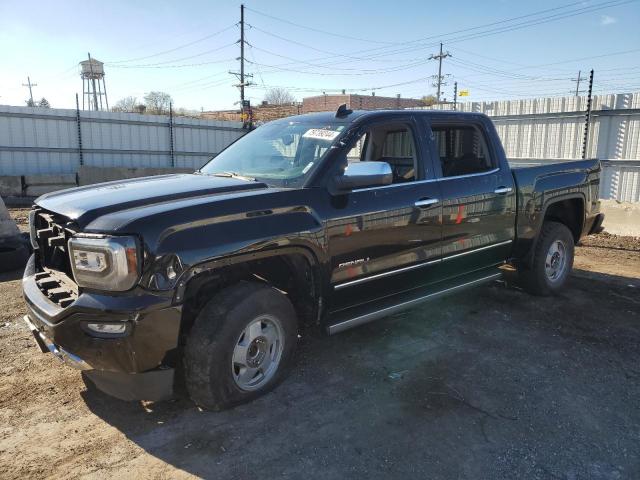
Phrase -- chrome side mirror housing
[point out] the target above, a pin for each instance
(362, 175)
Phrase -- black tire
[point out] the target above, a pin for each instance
(535, 279)
(209, 372)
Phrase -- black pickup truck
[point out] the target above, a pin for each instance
(323, 220)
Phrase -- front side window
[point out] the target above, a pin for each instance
(462, 150)
(392, 143)
(280, 153)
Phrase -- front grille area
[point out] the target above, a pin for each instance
(54, 277)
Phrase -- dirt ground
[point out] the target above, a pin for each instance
(492, 384)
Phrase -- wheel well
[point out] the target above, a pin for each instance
(292, 274)
(568, 212)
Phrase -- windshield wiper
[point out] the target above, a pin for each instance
(233, 175)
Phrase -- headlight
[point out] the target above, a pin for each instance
(106, 263)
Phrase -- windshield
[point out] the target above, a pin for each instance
(280, 154)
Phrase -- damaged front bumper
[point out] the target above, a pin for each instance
(47, 346)
(138, 365)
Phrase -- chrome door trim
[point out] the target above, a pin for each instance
(502, 190)
(469, 175)
(368, 317)
(430, 180)
(384, 274)
(413, 267)
(479, 249)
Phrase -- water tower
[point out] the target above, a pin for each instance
(93, 86)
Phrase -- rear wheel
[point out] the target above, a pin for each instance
(240, 346)
(552, 261)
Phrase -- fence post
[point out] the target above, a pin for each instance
(172, 153)
(79, 131)
(585, 141)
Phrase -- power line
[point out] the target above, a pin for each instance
(317, 29)
(562, 7)
(202, 39)
(168, 62)
(187, 65)
(330, 74)
(507, 28)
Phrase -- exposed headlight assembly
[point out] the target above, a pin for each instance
(105, 263)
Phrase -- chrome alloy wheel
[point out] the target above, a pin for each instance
(257, 353)
(556, 260)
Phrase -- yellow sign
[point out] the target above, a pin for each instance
(463, 93)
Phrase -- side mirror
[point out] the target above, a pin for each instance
(364, 174)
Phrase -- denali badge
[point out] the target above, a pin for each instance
(353, 262)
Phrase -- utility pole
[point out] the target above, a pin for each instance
(29, 84)
(242, 53)
(244, 105)
(587, 118)
(439, 79)
(577, 80)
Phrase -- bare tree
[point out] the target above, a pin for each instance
(157, 102)
(279, 96)
(429, 100)
(126, 104)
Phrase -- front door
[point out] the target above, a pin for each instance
(383, 239)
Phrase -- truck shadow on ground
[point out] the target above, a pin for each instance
(491, 381)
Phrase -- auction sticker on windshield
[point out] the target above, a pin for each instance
(321, 134)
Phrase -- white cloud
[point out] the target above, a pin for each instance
(607, 20)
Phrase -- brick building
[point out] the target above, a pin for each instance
(323, 103)
(261, 113)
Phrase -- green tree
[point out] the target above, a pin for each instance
(44, 103)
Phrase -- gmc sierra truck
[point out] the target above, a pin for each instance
(323, 220)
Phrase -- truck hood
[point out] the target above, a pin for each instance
(84, 204)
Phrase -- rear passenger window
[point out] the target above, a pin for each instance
(462, 150)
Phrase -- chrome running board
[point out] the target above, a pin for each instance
(361, 314)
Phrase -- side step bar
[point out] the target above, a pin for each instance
(354, 316)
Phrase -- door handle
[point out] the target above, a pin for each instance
(502, 190)
(425, 202)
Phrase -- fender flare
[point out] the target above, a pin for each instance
(527, 258)
(215, 264)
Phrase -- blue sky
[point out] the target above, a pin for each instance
(367, 46)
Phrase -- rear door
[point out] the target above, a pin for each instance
(383, 239)
(478, 196)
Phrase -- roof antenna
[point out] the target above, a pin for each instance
(343, 111)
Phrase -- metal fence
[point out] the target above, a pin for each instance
(552, 129)
(37, 141)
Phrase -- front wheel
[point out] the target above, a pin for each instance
(241, 345)
(552, 261)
